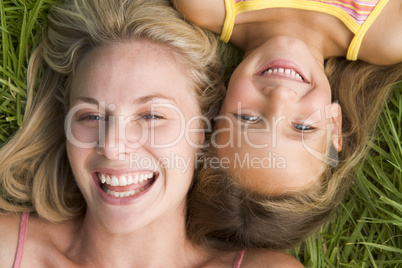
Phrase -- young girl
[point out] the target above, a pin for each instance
(92, 170)
(297, 112)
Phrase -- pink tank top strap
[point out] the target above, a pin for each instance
(21, 240)
(239, 259)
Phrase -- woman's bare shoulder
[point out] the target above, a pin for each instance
(209, 14)
(266, 258)
(9, 229)
(44, 240)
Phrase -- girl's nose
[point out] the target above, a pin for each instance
(279, 98)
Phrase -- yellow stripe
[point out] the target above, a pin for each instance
(233, 9)
(357, 40)
(229, 21)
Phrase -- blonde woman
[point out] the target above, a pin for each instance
(89, 180)
(297, 113)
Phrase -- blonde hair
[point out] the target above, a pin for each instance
(225, 215)
(35, 173)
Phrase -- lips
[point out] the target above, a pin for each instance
(283, 69)
(126, 185)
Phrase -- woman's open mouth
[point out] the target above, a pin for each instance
(126, 185)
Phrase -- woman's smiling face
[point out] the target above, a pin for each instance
(277, 121)
(128, 137)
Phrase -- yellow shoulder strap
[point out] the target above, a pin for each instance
(229, 20)
(357, 40)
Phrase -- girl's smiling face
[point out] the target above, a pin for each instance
(277, 121)
(128, 138)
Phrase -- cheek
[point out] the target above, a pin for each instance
(75, 156)
(76, 160)
(237, 93)
(195, 132)
(166, 136)
(78, 157)
(83, 136)
(224, 133)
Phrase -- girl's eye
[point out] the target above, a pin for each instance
(301, 127)
(248, 118)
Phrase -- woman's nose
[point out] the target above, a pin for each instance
(121, 137)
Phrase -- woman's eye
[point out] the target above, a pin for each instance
(301, 127)
(91, 118)
(248, 118)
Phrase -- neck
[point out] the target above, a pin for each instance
(325, 35)
(315, 41)
(162, 243)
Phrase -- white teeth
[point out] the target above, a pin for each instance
(124, 180)
(125, 194)
(103, 178)
(115, 181)
(282, 71)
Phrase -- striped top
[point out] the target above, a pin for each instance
(357, 15)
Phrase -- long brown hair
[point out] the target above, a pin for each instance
(225, 215)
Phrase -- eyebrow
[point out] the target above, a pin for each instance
(85, 99)
(138, 101)
(148, 98)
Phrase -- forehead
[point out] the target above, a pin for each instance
(131, 66)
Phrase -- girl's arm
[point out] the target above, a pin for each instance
(382, 44)
(209, 14)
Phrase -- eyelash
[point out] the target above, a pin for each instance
(248, 118)
(91, 117)
(254, 119)
(154, 117)
(301, 127)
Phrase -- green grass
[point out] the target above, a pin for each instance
(20, 28)
(366, 232)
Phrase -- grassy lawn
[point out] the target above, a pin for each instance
(367, 230)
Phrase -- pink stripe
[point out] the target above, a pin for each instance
(358, 10)
(353, 12)
(239, 259)
(21, 240)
